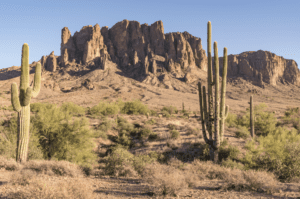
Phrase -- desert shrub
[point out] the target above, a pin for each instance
(291, 111)
(291, 116)
(265, 122)
(100, 134)
(59, 168)
(105, 125)
(8, 140)
(275, 153)
(61, 139)
(153, 113)
(193, 131)
(165, 114)
(228, 152)
(72, 109)
(231, 120)
(151, 121)
(123, 163)
(145, 132)
(170, 109)
(229, 163)
(134, 108)
(123, 126)
(37, 187)
(242, 132)
(172, 127)
(105, 108)
(9, 164)
(175, 134)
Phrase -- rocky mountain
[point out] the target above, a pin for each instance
(262, 67)
(147, 54)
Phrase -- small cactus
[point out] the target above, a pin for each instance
(21, 103)
(251, 117)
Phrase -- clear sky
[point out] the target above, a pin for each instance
(239, 25)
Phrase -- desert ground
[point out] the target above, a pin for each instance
(113, 84)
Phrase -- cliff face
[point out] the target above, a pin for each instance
(148, 50)
(262, 67)
(128, 43)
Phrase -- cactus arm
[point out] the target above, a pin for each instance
(37, 80)
(27, 97)
(226, 111)
(223, 94)
(24, 79)
(217, 100)
(15, 97)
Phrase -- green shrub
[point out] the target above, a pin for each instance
(72, 109)
(170, 109)
(175, 134)
(265, 122)
(105, 108)
(8, 140)
(231, 120)
(134, 108)
(123, 163)
(291, 116)
(145, 132)
(242, 132)
(172, 127)
(277, 153)
(165, 114)
(105, 125)
(230, 152)
(61, 139)
(229, 163)
(151, 121)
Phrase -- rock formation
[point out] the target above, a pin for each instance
(148, 49)
(128, 43)
(51, 62)
(262, 66)
(84, 46)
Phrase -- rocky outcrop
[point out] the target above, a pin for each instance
(51, 62)
(127, 43)
(262, 67)
(84, 46)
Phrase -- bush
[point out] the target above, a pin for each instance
(265, 122)
(105, 108)
(231, 120)
(165, 114)
(242, 132)
(277, 153)
(151, 121)
(134, 108)
(62, 140)
(170, 109)
(123, 163)
(175, 134)
(8, 140)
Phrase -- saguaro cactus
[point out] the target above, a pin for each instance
(207, 116)
(21, 103)
(251, 117)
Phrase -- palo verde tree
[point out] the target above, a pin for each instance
(208, 117)
(21, 103)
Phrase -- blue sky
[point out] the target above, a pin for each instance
(239, 25)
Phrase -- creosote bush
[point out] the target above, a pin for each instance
(277, 153)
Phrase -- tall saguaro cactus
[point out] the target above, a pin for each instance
(251, 117)
(207, 116)
(21, 103)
